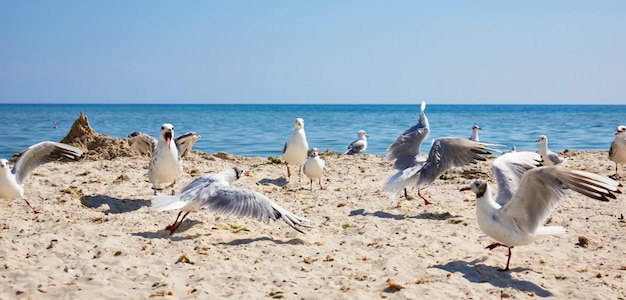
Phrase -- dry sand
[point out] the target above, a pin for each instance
(96, 237)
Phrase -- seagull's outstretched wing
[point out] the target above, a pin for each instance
(407, 146)
(142, 143)
(42, 153)
(184, 142)
(450, 152)
(542, 188)
(509, 169)
(250, 204)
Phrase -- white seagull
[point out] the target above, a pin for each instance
(215, 193)
(404, 152)
(296, 148)
(11, 181)
(445, 153)
(359, 145)
(549, 158)
(166, 162)
(526, 196)
(474, 136)
(617, 152)
(314, 167)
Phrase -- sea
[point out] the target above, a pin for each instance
(262, 130)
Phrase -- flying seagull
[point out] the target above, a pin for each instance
(215, 193)
(404, 152)
(526, 195)
(11, 181)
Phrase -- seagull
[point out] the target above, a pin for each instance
(404, 152)
(527, 193)
(445, 153)
(359, 145)
(166, 162)
(11, 181)
(474, 136)
(215, 193)
(617, 152)
(296, 148)
(549, 158)
(314, 167)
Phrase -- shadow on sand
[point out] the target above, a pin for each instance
(386, 215)
(116, 206)
(475, 271)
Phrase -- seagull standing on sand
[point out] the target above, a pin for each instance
(617, 152)
(474, 136)
(549, 158)
(11, 181)
(166, 162)
(445, 153)
(405, 150)
(526, 196)
(314, 167)
(359, 145)
(215, 193)
(296, 148)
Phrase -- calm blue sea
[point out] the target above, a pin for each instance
(261, 130)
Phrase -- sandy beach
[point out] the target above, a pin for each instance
(97, 237)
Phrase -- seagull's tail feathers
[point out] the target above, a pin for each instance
(396, 183)
(167, 202)
(549, 230)
(292, 220)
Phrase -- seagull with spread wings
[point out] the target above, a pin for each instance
(12, 180)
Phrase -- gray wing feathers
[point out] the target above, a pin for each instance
(42, 153)
(542, 188)
(142, 143)
(406, 147)
(356, 147)
(184, 142)
(509, 169)
(447, 153)
(250, 204)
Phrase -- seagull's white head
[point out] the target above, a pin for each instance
(475, 127)
(477, 186)
(239, 172)
(313, 152)
(621, 130)
(167, 133)
(542, 140)
(4, 163)
(363, 134)
(299, 123)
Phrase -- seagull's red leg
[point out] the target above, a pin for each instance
(175, 222)
(495, 245)
(172, 230)
(31, 207)
(288, 172)
(320, 182)
(426, 202)
(508, 260)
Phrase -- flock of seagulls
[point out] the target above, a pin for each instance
(529, 184)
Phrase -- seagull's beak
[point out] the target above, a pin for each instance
(467, 188)
(249, 174)
(168, 137)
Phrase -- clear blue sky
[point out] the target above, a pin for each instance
(313, 52)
